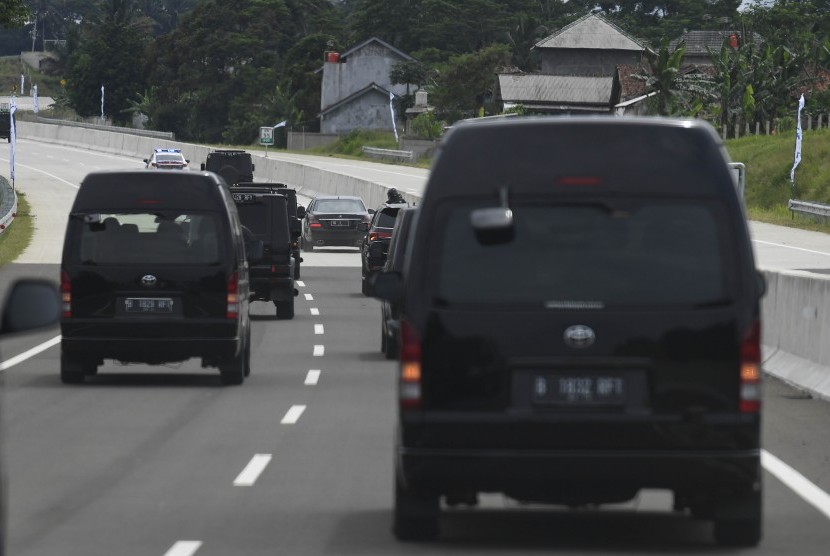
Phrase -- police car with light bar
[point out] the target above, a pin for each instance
(167, 159)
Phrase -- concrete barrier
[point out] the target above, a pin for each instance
(796, 308)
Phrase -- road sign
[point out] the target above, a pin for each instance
(266, 136)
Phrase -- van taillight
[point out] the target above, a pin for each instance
(233, 296)
(66, 294)
(409, 385)
(750, 385)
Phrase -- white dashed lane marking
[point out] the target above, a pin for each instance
(802, 486)
(184, 548)
(300, 284)
(315, 311)
(318, 329)
(309, 297)
(319, 350)
(253, 470)
(312, 377)
(293, 415)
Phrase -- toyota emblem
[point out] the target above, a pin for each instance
(579, 336)
(148, 280)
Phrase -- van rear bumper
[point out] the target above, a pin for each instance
(152, 351)
(579, 477)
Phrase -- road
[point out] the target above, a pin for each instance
(163, 461)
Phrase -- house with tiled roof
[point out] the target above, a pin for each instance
(356, 87)
(578, 69)
(699, 45)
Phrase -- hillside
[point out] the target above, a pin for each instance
(768, 162)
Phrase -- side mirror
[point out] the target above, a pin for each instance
(493, 225)
(372, 211)
(186, 160)
(387, 286)
(202, 166)
(762, 284)
(254, 250)
(363, 227)
(31, 304)
(146, 161)
(253, 167)
(300, 211)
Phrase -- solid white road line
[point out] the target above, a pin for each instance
(53, 176)
(319, 350)
(791, 247)
(184, 548)
(300, 284)
(315, 311)
(9, 363)
(253, 470)
(309, 297)
(312, 377)
(318, 329)
(800, 484)
(293, 415)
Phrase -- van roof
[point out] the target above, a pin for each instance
(143, 189)
(590, 154)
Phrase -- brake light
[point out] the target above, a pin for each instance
(314, 223)
(579, 180)
(750, 385)
(66, 294)
(379, 235)
(233, 296)
(409, 385)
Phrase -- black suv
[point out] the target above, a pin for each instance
(235, 166)
(580, 320)
(390, 313)
(154, 271)
(375, 245)
(265, 215)
(296, 213)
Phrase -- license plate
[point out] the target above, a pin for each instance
(153, 305)
(580, 389)
(339, 222)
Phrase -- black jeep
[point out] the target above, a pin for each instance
(296, 213)
(234, 166)
(264, 216)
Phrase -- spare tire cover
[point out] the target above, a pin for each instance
(230, 174)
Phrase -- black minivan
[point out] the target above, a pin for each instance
(154, 271)
(580, 320)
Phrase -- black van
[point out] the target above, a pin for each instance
(265, 215)
(154, 271)
(580, 321)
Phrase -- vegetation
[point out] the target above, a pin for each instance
(15, 239)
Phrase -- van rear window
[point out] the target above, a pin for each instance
(564, 256)
(137, 237)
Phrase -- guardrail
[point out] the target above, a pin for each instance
(117, 129)
(815, 209)
(389, 154)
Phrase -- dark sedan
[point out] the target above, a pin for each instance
(333, 220)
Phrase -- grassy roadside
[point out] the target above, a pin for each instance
(15, 239)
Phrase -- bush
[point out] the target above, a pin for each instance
(427, 126)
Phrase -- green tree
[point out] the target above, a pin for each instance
(466, 82)
(662, 76)
(107, 51)
(13, 13)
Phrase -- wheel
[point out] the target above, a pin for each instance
(307, 245)
(364, 286)
(248, 354)
(74, 370)
(383, 340)
(415, 515)
(233, 372)
(738, 522)
(391, 347)
(296, 270)
(285, 309)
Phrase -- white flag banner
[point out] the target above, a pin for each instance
(102, 102)
(392, 111)
(797, 139)
(12, 137)
(35, 105)
(22, 84)
(281, 124)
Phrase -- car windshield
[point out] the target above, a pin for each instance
(561, 256)
(141, 238)
(339, 205)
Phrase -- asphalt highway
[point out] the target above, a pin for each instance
(163, 461)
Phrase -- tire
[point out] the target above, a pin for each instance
(248, 354)
(307, 246)
(296, 270)
(285, 309)
(740, 522)
(233, 372)
(73, 371)
(383, 341)
(364, 287)
(230, 174)
(391, 347)
(415, 515)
